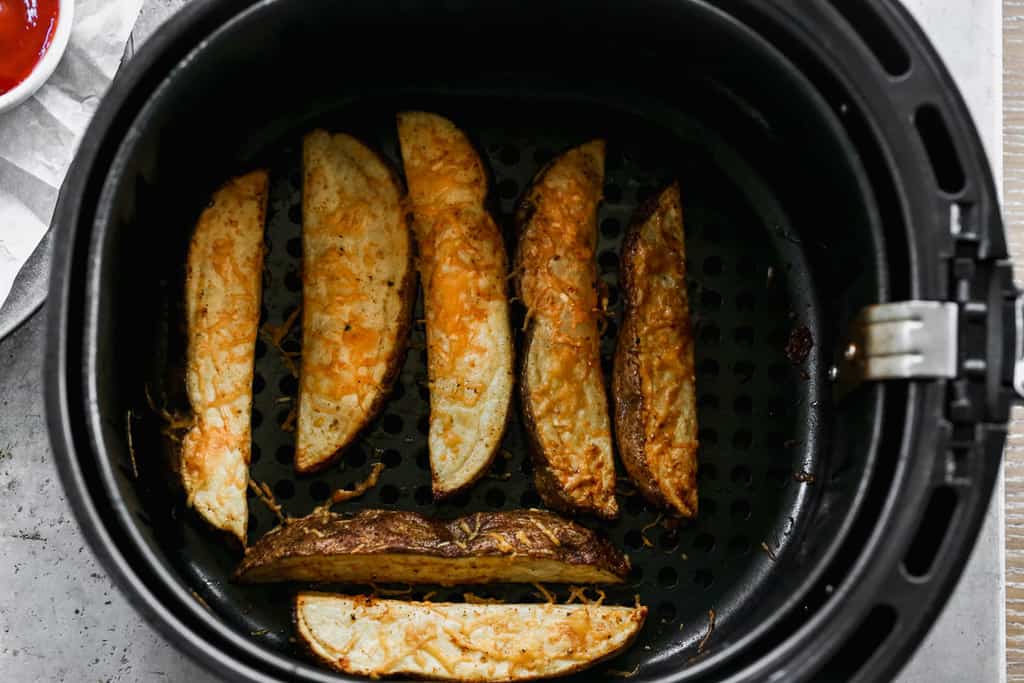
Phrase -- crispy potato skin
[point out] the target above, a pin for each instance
(375, 637)
(222, 310)
(463, 268)
(565, 407)
(358, 293)
(398, 546)
(653, 381)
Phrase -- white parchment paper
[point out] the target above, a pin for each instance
(38, 138)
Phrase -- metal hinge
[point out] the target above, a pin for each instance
(901, 340)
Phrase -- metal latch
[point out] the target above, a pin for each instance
(905, 340)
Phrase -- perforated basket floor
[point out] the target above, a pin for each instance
(746, 298)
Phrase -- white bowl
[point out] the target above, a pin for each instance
(47, 64)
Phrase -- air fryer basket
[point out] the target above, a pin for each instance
(802, 204)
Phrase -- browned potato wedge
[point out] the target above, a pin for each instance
(463, 269)
(222, 312)
(375, 637)
(386, 546)
(357, 280)
(563, 392)
(653, 380)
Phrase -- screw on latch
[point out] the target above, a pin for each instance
(833, 373)
(851, 351)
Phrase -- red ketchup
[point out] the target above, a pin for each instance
(26, 29)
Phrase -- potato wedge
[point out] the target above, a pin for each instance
(375, 637)
(653, 383)
(391, 546)
(222, 311)
(563, 391)
(357, 280)
(463, 269)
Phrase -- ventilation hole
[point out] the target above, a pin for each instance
(779, 478)
(666, 612)
(746, 266)
(392, 424)
(529, 499)
(634, 504)
(460, 500)
(611, 330)
(710, 300)
(499, 466)
(634, 539)
(422, 496)
(255, 454)
(391, 458)
(288, 385)
(741, 475)
(949, 174)
(319, 490)
(495, 498)
(744, 335)
(861, 645)
(708, 508)
(355, 457)
(703, 578)
(669, 540)
(527, 466)
(876, 35)
(742, 439)
(744, 371)
(704, 543)
(708, 367)
(667, 577)
(293, 281)
(710, 335)
(257, 418)
(707, 472)
(542, 155)
(261, 348)
(423, 425)
(509, 155)
(612, 193)
(745, 301)
(636, 574)
(508, 189)
(774, 440)
(743, 405)
(739, 546)
(388, 494)
(284, 489)
(423, 460)
(258, 383)
(740, 510)
(707, 402)
(608, 261)
(712, 265)
(778, 372)
(294, 247)
(285, 455)
(610, 228)
(934, 525)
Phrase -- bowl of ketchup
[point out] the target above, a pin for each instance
(33, 37)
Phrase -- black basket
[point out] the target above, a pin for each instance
(818, 155)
